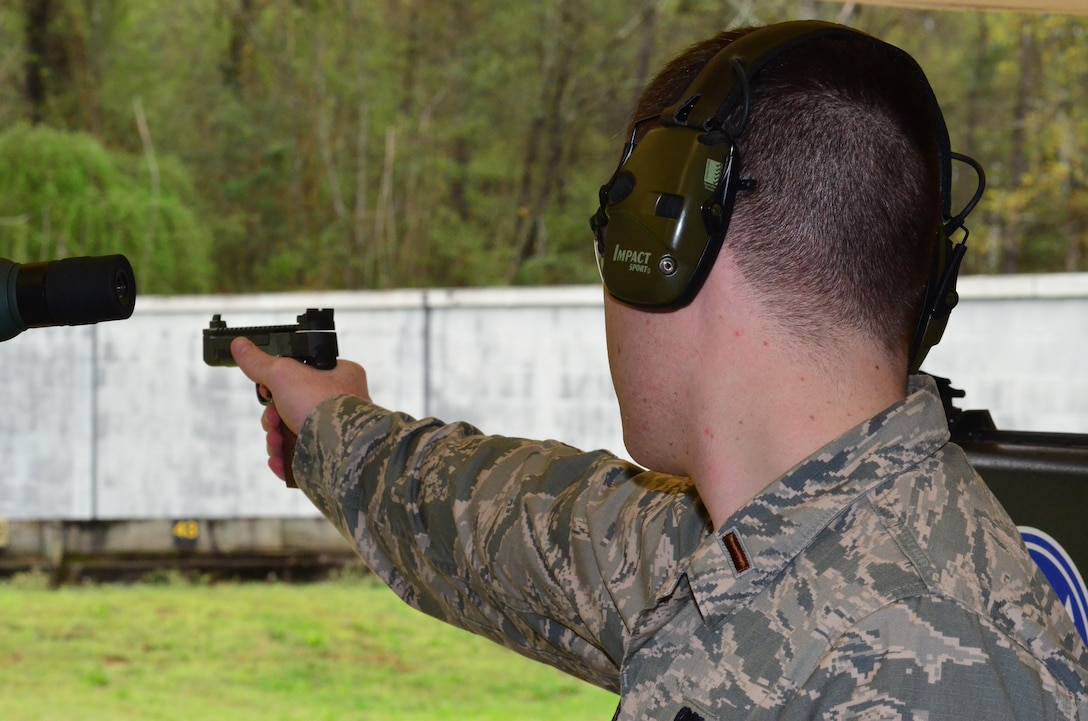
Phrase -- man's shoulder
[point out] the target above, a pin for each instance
(957, 537)
(944, 583)
(932, 653)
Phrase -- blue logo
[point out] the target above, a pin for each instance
(1062, 574)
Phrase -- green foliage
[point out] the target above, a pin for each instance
(346, 649)
(62, 194)
(363, 144)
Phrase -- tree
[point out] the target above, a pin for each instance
(62, 194)
(344, 144)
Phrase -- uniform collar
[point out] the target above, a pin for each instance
(757, 542)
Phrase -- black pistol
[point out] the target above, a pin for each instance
(311, 341)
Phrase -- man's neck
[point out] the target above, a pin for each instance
(742, 442)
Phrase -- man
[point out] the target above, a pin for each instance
(806, 543)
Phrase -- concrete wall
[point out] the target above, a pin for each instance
(1018, 345)
(123, 420)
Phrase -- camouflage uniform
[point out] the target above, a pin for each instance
(878, 579)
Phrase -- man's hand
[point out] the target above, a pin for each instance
(296, 390)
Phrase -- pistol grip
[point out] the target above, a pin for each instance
(289, 441)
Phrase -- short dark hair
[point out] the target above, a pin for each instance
(842, 143)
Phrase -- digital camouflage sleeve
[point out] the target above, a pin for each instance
(538, 546)
(879, 579)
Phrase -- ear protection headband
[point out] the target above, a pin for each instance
(664, 214)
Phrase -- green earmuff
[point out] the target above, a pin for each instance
(663, 216)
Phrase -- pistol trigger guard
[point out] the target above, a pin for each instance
(264, 396)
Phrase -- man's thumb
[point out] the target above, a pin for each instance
(253, 361)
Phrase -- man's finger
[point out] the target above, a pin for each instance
(253, 361)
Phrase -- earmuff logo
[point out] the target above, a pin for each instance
(637, 261)
(1062, 573)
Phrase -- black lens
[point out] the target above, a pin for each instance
(76, 291)
(122, 286)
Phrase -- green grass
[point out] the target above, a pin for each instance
(344, 649)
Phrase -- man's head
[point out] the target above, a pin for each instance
(836, 203)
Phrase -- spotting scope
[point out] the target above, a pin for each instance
(70, 291)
